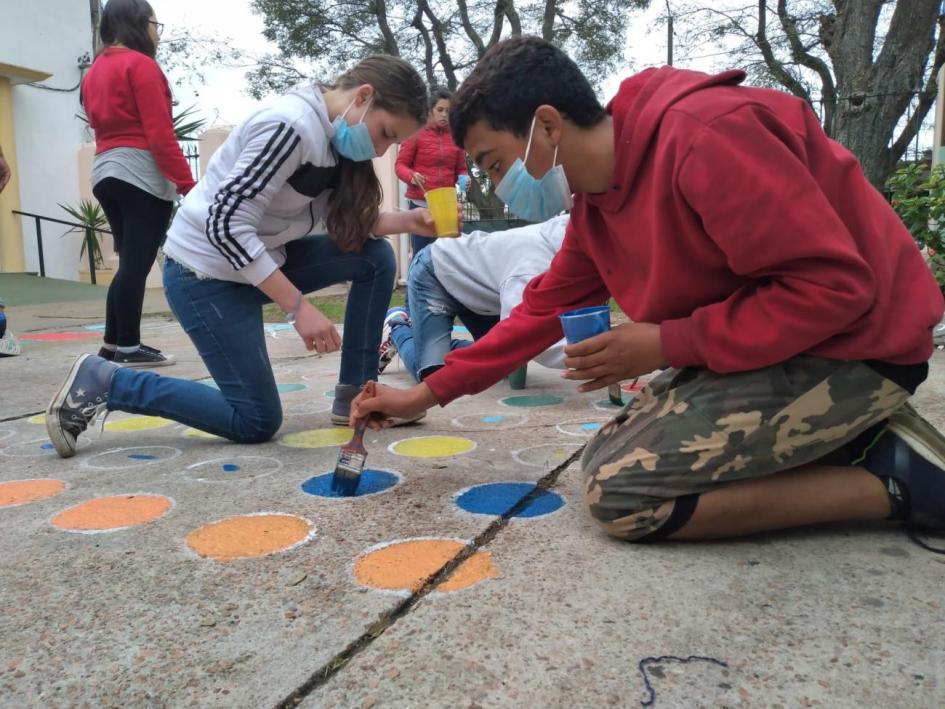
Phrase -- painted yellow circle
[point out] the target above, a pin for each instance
(19, 492)
(318, 438)
(115, 512)
(38, 418)
(433, 446)
(197, 433)
(406, 565)
(137, 423)
(247, 536)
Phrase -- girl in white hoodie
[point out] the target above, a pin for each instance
(244, 237)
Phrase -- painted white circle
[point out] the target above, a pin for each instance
(306, 408)
(133, 457)
(38, 448)
(239, 467)
(490, 421)
(6, 434)
(583, 427)
(546, 455)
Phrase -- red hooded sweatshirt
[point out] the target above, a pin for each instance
(739, 227)
(128, 103)
(433, 154)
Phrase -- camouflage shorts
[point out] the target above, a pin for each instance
(692, 430)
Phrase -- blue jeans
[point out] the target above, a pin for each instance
(224, 321)
(418, 243)
(424, 344)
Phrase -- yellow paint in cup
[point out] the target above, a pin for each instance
(445, 210)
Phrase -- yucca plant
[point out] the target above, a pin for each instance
(90, 215)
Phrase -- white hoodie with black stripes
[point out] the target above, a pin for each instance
(266, 185)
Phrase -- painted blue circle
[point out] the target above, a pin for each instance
(47, 446)
(288, 388)
(208, 383)
(460, 330)
(372, 481)
(142, 456)
(592, 426)
(98, 327)
(492, 419)
(230, 467)
(499, 498)
(277, 327)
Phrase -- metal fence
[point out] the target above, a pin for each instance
(89, 237)
(192, 154)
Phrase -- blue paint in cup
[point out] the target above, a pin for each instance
(585, 322)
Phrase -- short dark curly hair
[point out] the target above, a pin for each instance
(439, 93)
(513, 79)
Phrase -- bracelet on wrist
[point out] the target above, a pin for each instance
(293, 314)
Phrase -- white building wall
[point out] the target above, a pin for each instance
(48, 35)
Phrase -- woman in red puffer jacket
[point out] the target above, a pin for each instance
(430, 159)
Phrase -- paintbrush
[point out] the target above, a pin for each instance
(351, 457)
(615, 394)
(350, 463)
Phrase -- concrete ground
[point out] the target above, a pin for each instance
(157, 568)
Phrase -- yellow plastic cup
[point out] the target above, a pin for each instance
(445, 210)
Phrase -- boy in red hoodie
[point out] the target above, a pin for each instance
(788, 305)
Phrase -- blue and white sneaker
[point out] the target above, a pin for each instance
(82, 398)
(395, 316)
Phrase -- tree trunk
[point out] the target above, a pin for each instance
(875, 93)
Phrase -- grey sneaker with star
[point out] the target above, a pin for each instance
(80, 400)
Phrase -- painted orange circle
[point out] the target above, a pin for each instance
(247, 536)
(405, 565)
(19, 492)
(115, 512)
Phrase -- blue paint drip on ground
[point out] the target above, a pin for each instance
(593, 426)
(460, 330)
(142, 456)
(230, 467)
(371, 481)
(288, 388)
(499, 498)
(208, 383)
(47, 446)
(493, 419)
(98, 327)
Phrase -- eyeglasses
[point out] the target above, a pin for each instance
(158, 26)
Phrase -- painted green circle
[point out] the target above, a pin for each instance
(532, 400)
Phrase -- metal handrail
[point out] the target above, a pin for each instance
(39, 239)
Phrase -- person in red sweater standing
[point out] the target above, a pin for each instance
(139, 168)
(785, 301)
(430, 159)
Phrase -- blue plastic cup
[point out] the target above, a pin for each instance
(585, 322)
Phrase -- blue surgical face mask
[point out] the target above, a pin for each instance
(353, 142)
(535, 200)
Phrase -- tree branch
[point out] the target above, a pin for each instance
(800, 54)
(417, 22)
(390, 42)
(468, 27)
(437, 29)
(548, 20)
(776, 67)
(498, 19)
(926, 98)
(514, 20)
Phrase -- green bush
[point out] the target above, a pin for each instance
(918, 196)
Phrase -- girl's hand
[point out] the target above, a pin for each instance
(317, 332)
(624, 352)
(420, 221)
(419, 180)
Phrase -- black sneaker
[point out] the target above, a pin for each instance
(144, 356)
(911, 453)
(83, 396)
(108, 354)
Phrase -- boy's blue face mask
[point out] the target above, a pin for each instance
(535, 200)
(353, 142)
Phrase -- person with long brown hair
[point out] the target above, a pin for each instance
(244, 237)
(139, 168)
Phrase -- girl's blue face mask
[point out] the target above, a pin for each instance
(353, 142)
(535, 200)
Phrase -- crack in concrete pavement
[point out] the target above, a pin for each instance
(323, 674)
